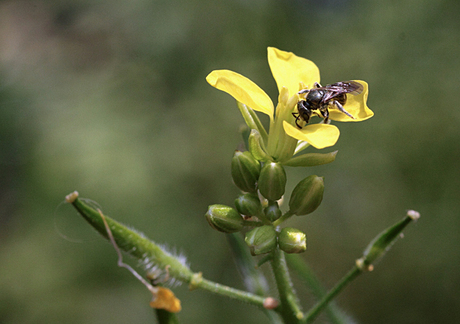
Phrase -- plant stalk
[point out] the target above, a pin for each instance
(290, 307)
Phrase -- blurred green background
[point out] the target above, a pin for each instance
(109, 98)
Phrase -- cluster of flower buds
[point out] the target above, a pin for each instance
(263, 184)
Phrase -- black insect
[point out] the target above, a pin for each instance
(322, 98)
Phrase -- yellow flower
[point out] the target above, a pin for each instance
(165, 299)
(291, 73)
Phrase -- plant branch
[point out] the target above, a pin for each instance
(373, 252)
(316, 310)
(297, 264)
(290, 308)
(152, 255)
(287, 215)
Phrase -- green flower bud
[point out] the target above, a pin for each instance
(291, 240)
(272, 181)
(257, 147)
(248, 204)
(273, 212)
(245, 171)
(224, 219)
(307, 195)
(261, 239)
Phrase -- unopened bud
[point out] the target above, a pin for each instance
(292, 240)
(307, 195)
(261, 239)
(257, 147)
(248, 204)
(273, 212)
(245, 171)
(272, 181)
(224, 218)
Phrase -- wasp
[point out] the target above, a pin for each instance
(320, 99)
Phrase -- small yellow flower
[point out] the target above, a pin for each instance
(291, 73)
(165, 299)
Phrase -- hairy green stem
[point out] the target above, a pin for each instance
(134, 242)
(147, 251)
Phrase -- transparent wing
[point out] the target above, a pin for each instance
(351, 87)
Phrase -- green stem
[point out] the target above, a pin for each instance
(287, 215)
(290, 308)
(316, 310)
(230, 292)
(261, 216)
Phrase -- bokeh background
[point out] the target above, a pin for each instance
(109, 98)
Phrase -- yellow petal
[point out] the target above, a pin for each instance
(165, 299)
(289, 70)
(242, 89)
(317, 135)
(356, 105)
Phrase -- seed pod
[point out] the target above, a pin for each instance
(307, 195)
(272, 181)
(292, 240)
(261, 239)
(384, 241)
(224, 219)
(245, 171)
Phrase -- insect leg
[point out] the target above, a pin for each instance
(324, 112)
(303, 113)
(297, 117)
(340, 107)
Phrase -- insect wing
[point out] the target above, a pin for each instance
(351, 87)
